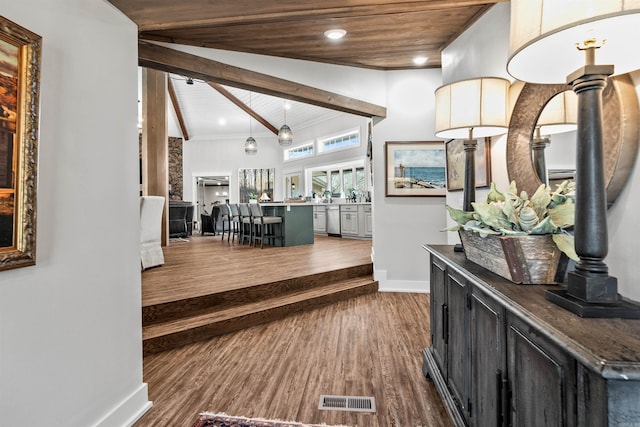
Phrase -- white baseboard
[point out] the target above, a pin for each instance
(409, 286)
(129, 410)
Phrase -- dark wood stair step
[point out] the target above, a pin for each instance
(202, 325)
(219, 301)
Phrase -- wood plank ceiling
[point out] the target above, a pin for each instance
(381, 35)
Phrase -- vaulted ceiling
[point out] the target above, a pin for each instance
(381, 34)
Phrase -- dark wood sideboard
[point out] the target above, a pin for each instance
(502, 355)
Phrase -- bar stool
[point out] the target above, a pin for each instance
(246, 223)
(234, 222)
(225, 215)
(261, 223)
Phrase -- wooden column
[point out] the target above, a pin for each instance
(155, 157)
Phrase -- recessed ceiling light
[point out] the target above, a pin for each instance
(420, 60)
(222, 121)
(335, 34)
(287, 106)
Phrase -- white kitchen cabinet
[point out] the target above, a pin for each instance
(319, 219)
(349, 220)
(366, 221)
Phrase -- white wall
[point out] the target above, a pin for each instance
(70, 327)
(481, 51)
(403, 224)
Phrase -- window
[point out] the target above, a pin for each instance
(336, 188)
(339, 142)
(299, 152)
(361, 184)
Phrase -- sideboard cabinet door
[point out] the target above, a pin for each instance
(541, 377)
(439, 315)
(489, 390)
(458, 342)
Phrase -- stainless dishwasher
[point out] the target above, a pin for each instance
(333, 220)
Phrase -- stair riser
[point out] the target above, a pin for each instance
(158, 344)
(185, 308)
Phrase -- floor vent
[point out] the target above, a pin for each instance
(347, 403)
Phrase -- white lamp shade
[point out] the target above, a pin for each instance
(544, 34)
(480, 104)
(560, 114)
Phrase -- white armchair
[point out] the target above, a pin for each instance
(151, 208)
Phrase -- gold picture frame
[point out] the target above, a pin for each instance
(20, 52)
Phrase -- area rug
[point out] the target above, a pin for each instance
(223, 420)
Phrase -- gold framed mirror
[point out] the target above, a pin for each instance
(620, 131)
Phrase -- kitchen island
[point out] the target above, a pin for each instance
(297, 221)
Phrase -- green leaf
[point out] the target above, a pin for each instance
(563, 215)
(459, 216)
(452, 228)
(564, 242)
(546, 226)
(510, 213)
(484, 232)
(512, 232)
(513, 188)
(492, 216)
(495, 195)
(540, 200)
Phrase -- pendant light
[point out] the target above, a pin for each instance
(285, 135)
(250, 145)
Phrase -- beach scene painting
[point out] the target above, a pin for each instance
(415, 168)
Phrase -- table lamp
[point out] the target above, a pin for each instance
(557, 41)
(468, 109)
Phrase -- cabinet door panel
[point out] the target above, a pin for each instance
(438, 313)
(488, 361)
(542, 380)
(457, 347)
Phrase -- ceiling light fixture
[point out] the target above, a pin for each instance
(250, 145)
(420, 60)
(285, 135)
(335, 34)
(189, 81)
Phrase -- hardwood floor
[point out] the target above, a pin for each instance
(365, 346)
(204, 263)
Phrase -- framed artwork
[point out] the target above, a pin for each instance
(455, 164)
(415, 168)
(255, 182)
(20, 51)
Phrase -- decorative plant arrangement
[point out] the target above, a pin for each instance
(510, 216)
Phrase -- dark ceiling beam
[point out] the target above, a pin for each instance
(176, 108)
(173, 61)
(243, 106)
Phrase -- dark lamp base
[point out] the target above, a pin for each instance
(619, 309)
